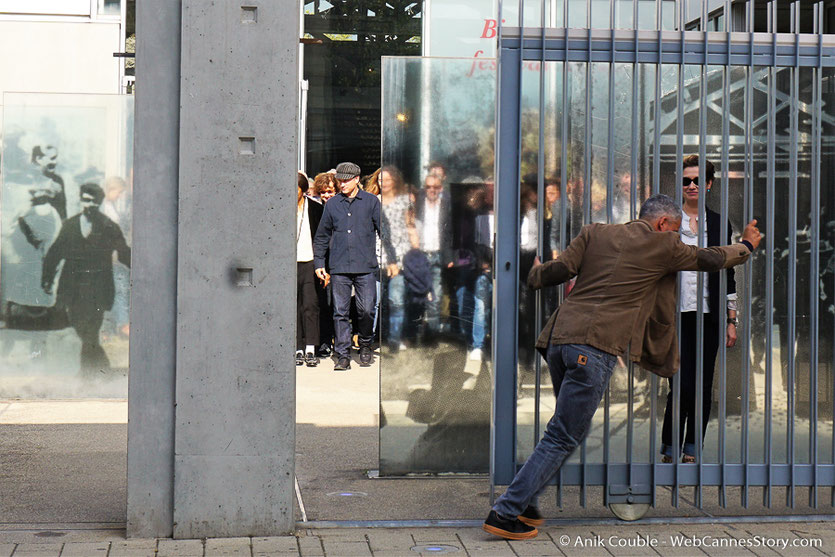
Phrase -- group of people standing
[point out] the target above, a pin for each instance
(363, 243)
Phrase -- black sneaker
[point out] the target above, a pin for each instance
(343, 363)
(299, 358)
(531, 517)
(325, 350)
(366, 356)
(508, 529)
(311, 360)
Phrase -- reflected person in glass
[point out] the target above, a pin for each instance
(433, 216)
(692, 226)
(397, 212)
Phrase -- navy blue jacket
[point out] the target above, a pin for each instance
(347, 234)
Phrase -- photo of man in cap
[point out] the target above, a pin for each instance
(346, 239)
(86, 244)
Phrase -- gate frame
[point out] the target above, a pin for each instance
(517, 45)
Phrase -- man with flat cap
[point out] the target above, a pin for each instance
(623, 304)
(346, 238)
(86, 244)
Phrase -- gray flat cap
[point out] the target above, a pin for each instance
(347, 170)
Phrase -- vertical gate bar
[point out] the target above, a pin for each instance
(610, 173)
(700, 284)
(770, 237)
(610, 144)
(793, 205)
(700, 279)
(540, 226)
(633, 177)
(656, 162)
(494, 452)
(676, 386)
(814, 278)
(563, 190)
(656, 185)
(587, 204)
(747, 215)
(506, 265)
(633, 171)
(723, 283)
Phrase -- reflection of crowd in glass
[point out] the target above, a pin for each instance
(434, 253)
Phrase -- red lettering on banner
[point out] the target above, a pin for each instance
(489, 31)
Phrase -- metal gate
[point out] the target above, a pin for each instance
(749, 85)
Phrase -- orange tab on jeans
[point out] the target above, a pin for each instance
(581, 359)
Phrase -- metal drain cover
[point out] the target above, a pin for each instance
(435, 548)
(347, 494)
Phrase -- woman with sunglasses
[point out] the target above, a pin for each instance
(691, 228)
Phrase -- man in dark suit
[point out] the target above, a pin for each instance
(623, 303)
(433, 212)
(86, 244)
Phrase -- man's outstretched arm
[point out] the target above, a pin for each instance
(564, 267)
(691, 258)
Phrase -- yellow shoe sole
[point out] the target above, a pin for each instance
(510, 535)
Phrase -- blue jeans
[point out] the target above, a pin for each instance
(482, 306)
(579, 374)
(395, 292)
(365, 288)
(433, 307)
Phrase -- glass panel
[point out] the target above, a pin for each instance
(438, 223)
(64, 341)
(65, 255)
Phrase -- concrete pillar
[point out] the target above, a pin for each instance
(153, 340)
(236, 291)
(231, 383)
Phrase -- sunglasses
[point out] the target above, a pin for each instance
(686, 181)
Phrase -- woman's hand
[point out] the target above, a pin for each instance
(392, 270)
(731, 335)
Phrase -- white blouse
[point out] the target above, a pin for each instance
(689, 279)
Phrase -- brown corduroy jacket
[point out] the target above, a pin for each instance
(625, 294)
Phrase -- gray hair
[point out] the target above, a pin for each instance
(659, 205)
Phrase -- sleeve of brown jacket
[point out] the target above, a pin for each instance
(564, 267)
(691, 258)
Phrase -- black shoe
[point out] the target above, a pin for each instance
(311, 360)
(299, 358)
(531, 517)
(343, 363)
(508, 529)
(366, 356)
(325, 350)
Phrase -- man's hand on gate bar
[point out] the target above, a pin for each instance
(752, 234)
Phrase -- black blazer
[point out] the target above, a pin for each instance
(714, 226)
(314, 214)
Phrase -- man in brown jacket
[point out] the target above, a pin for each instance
(624, 299)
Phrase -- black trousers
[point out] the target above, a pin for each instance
(87, 320)
(307, 306)
(687, 405)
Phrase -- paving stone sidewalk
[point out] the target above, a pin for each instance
(786, 539)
